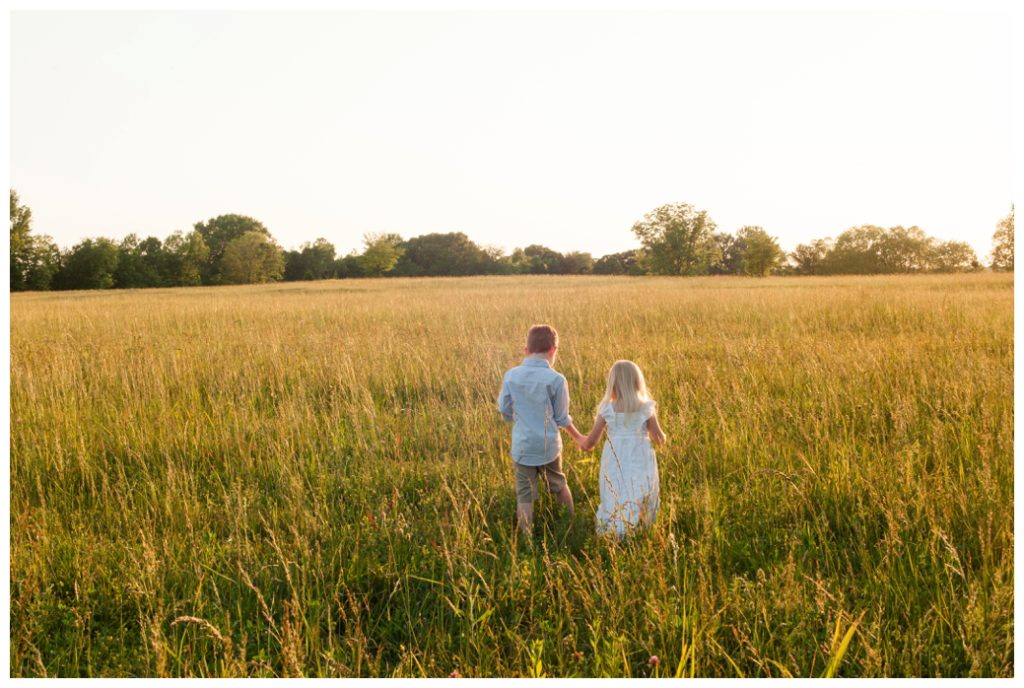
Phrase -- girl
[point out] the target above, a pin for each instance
(629, 469)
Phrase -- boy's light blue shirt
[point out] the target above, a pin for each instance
(535, 399)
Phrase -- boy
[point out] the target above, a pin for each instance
(535, 399)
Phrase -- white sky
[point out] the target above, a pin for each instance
(515, 128)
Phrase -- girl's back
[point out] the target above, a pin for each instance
(627, 424)
(629, 483)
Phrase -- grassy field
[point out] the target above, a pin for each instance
(312, 479)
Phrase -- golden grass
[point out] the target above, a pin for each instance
(312, 479)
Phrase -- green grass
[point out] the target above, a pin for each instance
(312, 479)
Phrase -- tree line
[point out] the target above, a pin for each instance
(676, 239)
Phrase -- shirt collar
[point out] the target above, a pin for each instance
(537, 361)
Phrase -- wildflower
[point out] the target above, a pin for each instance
(455, 674)
(653, 661)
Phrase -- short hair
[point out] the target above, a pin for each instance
(541, 339)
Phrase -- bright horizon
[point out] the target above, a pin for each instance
(557, 128)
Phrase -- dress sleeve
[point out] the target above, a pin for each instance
(606, 412)
(650, 408)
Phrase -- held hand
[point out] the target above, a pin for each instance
(578, 437)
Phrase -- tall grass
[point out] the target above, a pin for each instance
(312, 479)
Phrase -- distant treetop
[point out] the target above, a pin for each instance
(675, 239)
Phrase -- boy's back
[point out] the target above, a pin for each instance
(535, 398)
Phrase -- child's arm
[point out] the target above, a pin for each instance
(573, 432)
(654, 430)
(590, 441)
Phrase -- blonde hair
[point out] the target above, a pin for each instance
(627, 386)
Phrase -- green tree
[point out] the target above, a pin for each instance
(293, 266)
(156, 260)
(952, 256)
(140, 264)
(1002, 244)
(252, 258)
(730, 252)
(44, 262)
(577, 263)
(90, 264)
(622, 263)
(518, 262)
(496, 262)
(677, 239)
(313, 261)
(349, 266)
(21, 241)
(441, 254)
(536, 260)
(187, 255)
(857, 251)
(810, 259)
(904, 250)
(759, 253)
(381, 254)
(217, 233)
(319, 259)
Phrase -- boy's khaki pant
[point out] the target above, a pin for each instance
(527, 478)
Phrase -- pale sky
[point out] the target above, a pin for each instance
(515, 128)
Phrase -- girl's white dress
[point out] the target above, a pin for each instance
(629, 471)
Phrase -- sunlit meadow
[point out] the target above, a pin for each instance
(312, 479)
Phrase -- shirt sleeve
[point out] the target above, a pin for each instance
(560, 404)
(505, 401)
